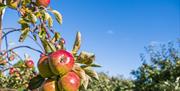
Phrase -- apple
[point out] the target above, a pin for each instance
(43, 67)
(12, 71)
(29, 63)
(44, 3)
(61, 62)
(49, 85)
(69, 82)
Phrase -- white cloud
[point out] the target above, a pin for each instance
(110, 32)
(154, 43)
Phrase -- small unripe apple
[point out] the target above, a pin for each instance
(43, 67)
(49, 85)
(44, 3)
(61, 62)
(69, 82)
(29, 63)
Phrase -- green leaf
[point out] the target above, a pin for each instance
(25, 2)
(91, 73)
(50, 22)
(77, 43)
(13, 4)
(33, 18)
(19, 64)
(57, 15)
(56, 37)
(86, 82)
(48, 46)
(36, 82)
(2, 6)
(81, 73)
(42, 33)
(86, 58)
(25, 20)
(95, 65)
(25, 30)
(35, 37)
(44, 15)
(53, 48)
(22, 21)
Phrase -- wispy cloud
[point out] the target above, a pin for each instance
(154, 43)
(110, 32)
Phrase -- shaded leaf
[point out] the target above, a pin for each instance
(86, 58)
(36, 82)
(42, 33)
(95, 65)
(2, 6)
(33, 18)
(56, 37)
(22, 21)
(91, 73)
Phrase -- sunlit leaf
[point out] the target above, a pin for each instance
(57, 15)
(36, 82)
(77, 43)
(25, 30)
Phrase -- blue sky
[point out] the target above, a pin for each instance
(115, 30)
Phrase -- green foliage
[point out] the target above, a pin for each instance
(19, 79)
(106, 83)
(162, 72)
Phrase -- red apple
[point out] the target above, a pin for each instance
(50, 85)
(61, 62)
(29, 63)
(43, 67)
(69, 82)
(44, 3)
(12, 71)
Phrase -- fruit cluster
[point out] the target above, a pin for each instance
(14, 3)
(57, 67)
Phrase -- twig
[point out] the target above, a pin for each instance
(14, 30)
(23, 46)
